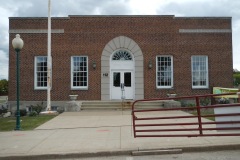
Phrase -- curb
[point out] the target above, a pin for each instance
(156, 151)
(211, 148)
(67, 155)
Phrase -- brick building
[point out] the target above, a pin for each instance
(92, 56)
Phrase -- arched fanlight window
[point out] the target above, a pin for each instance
(122, 55)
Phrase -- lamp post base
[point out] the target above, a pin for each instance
(18, 128)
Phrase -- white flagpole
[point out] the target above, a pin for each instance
(49, 59)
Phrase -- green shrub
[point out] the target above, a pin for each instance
(185, 103)
(60, 110)
(191, 105)
(23, 112)
(3, 111)
(205, 101)
(38, 108)
(33, 114)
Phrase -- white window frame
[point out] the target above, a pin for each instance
(36, 87)
(200, 71)
(72, 64)
(159, 86)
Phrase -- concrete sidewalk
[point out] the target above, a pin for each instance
(89, 133)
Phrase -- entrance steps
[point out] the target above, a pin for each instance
(126, 105)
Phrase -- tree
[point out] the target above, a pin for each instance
(236, 78)
(235, 70)
(3, 87)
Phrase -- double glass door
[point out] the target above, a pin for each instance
(122, 85)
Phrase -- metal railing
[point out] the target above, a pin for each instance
(187, 121)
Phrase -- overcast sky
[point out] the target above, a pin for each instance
(63, 8)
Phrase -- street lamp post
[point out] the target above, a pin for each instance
(17, 45)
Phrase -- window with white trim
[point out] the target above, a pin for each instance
(199, 72)
(40, 75)
(79, 72)
(164, 71)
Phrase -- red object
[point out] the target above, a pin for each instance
(150, 125)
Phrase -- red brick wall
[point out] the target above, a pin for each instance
(87, 35)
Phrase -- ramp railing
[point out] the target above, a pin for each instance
(193, 116)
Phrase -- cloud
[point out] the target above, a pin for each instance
(209, 8)
(59, 8)
(202, 8)
(236, 42)
(39, 8)
(4, 41)
(91, 7)
(63, 8)
(3, 65)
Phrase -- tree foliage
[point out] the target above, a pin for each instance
(236, 77)
(3, 87)
(235, 71)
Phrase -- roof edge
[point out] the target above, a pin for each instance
(167, 16)
(203, 17)
(38, 17)
(121, 16)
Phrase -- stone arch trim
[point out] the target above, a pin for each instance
(121, 42)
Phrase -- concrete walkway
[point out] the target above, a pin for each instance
(89, 133)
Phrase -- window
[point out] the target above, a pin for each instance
(199, 72)
(164, 69)
(40, 75)
(127, 79)
(79, 72)
(54, 108)
(116, 79)
(122, 55)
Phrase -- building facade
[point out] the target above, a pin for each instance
(94, 56)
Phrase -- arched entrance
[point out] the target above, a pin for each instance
(122, 62)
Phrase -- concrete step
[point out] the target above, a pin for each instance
(117, 105)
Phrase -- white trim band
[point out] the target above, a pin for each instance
(205, 30)
(35, 31)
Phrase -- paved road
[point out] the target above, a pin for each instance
(218, 155)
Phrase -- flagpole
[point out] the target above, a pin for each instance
(49, 59)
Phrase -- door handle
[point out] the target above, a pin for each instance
(122, 86)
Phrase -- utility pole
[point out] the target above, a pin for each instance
(49, 59)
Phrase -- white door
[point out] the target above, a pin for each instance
(122, 85)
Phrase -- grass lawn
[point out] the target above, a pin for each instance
(27, 123)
